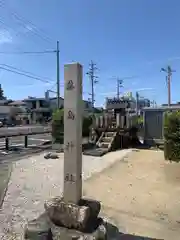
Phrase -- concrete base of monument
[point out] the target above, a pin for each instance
(44, 229)
(77, 216)
(97, 232)
(63, 220)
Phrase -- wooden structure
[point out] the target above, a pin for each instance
(113, 127)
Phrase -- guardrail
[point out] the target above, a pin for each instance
(7, 133)
(21, 131)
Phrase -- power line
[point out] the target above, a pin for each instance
(26, 75)
(24, 22)
(7, 28)
(28, 52)
(27, 72)
(120, 82)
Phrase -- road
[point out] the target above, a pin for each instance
(16, 144)
(33, 140)
(19, 141)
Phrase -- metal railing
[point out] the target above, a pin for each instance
(8, 133)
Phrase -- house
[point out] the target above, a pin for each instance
(39, 108)
(5, 112)
(53, 103)
(42, 108)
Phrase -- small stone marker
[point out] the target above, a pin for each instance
(72, 132)
(118, 120)
(97, 121)
(101, 118)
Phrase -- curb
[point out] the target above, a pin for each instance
(95, 174)
(6, 183)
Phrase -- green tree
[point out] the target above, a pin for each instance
(172, 136)
(1, 93)
(58, 126)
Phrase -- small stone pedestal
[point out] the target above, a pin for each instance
(67, 221)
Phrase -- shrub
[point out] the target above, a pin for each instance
(87, 122)
(140, 120)
(172, 136)
(172, 150)
(58, 125)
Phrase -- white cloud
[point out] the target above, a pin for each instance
(5, 37)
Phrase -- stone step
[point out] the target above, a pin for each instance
(98, 152)
(104, 145)
(106, 139)
(109, 134)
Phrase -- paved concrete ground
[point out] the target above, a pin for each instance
(34, 180)
(140, 195)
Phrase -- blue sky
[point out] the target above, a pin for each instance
(124, 37)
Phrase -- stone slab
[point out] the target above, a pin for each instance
(38, 229)
(5, 173)
(51, 155)
(71, 215)
(97, 152)
(98, 233)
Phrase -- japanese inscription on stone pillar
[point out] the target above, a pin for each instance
(72, 132)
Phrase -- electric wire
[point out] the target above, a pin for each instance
(28, 52)
(26, 75)
(33, 28)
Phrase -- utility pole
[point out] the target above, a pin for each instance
(168, 81)
(169, 85)
(91, 73)
(119, 85)
(58, 83)
(137, 103)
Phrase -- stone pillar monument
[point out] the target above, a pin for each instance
(74, 217)
(72, 132)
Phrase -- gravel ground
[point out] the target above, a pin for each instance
(34, 180)
(140, 195)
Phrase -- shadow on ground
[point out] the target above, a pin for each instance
(114, 234)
